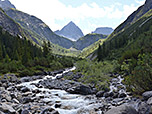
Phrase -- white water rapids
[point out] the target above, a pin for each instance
(70, 103)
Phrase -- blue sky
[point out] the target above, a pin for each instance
(87, 14)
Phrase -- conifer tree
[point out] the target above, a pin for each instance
(45, 49)
(99, 56)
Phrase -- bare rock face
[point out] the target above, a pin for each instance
(103, 30)
(37, 28)
(71, 31)
(8, 24)
(6, 4)
(148, 4)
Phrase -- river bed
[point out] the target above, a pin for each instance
(70, 103)
(50, 93)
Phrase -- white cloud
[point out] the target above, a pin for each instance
(140, 2)
(50, 11)
(129, 9)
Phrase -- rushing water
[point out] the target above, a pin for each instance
(73, 103)
(70, 103)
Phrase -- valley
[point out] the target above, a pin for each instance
(68, 72)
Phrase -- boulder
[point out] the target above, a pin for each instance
(57, 105)
(122, 95)
(100, 94)
(36, 91)
(94, 90)
(25, 89)
(149, 101)
(7, 108)
(7, 97)
(49, 110)
(143, 108)
(111, 94)
(16, 101)
(123, 109)
(106, 94)
(146, 95)
(26, 100)
(25, 112)
(25, 79)
(82, 89)
(59, 77)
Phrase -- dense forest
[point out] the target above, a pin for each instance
(133, 51)
(20, 56)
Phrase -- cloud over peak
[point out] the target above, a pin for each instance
(56, 14)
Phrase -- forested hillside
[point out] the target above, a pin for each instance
(132, 48)
(88, 40)
(22, 57)
(36, 30)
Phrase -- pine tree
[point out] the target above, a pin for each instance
(16, 56)
(7, 59)
(99, 56)
(49, 46)
(45, 49)
(1, 53)
(103, 49)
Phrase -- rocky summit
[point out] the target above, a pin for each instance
(9, 25)
(103, 30)
(6, 4)
(71, 31)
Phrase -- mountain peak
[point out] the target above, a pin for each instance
(103, 30)
(71, 22)
(148, 5)
(71, 31)
(148, 1)
(6, 4)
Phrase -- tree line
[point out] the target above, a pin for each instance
(21, 56)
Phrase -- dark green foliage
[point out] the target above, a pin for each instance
(88, 40)
(140, 78)
(99, 56)
(133, 49)
(22, 57)
(95, 73)
(45, 49)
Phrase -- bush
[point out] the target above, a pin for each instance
(26, 72)
(140, 77)
(95, 73)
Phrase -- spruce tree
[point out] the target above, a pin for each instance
(99, 56)
(45, 49)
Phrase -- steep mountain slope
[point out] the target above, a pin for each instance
(129, 27)
(71, 31)
(9, 25)
(103, 30)
(6, 4)
(89, 51)
(134, 16)
(129, 39)
(88, 40)
(37, 29)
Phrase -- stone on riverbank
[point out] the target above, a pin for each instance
(123, 109)
(146, 95)
(7, 108)
(82, 89)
